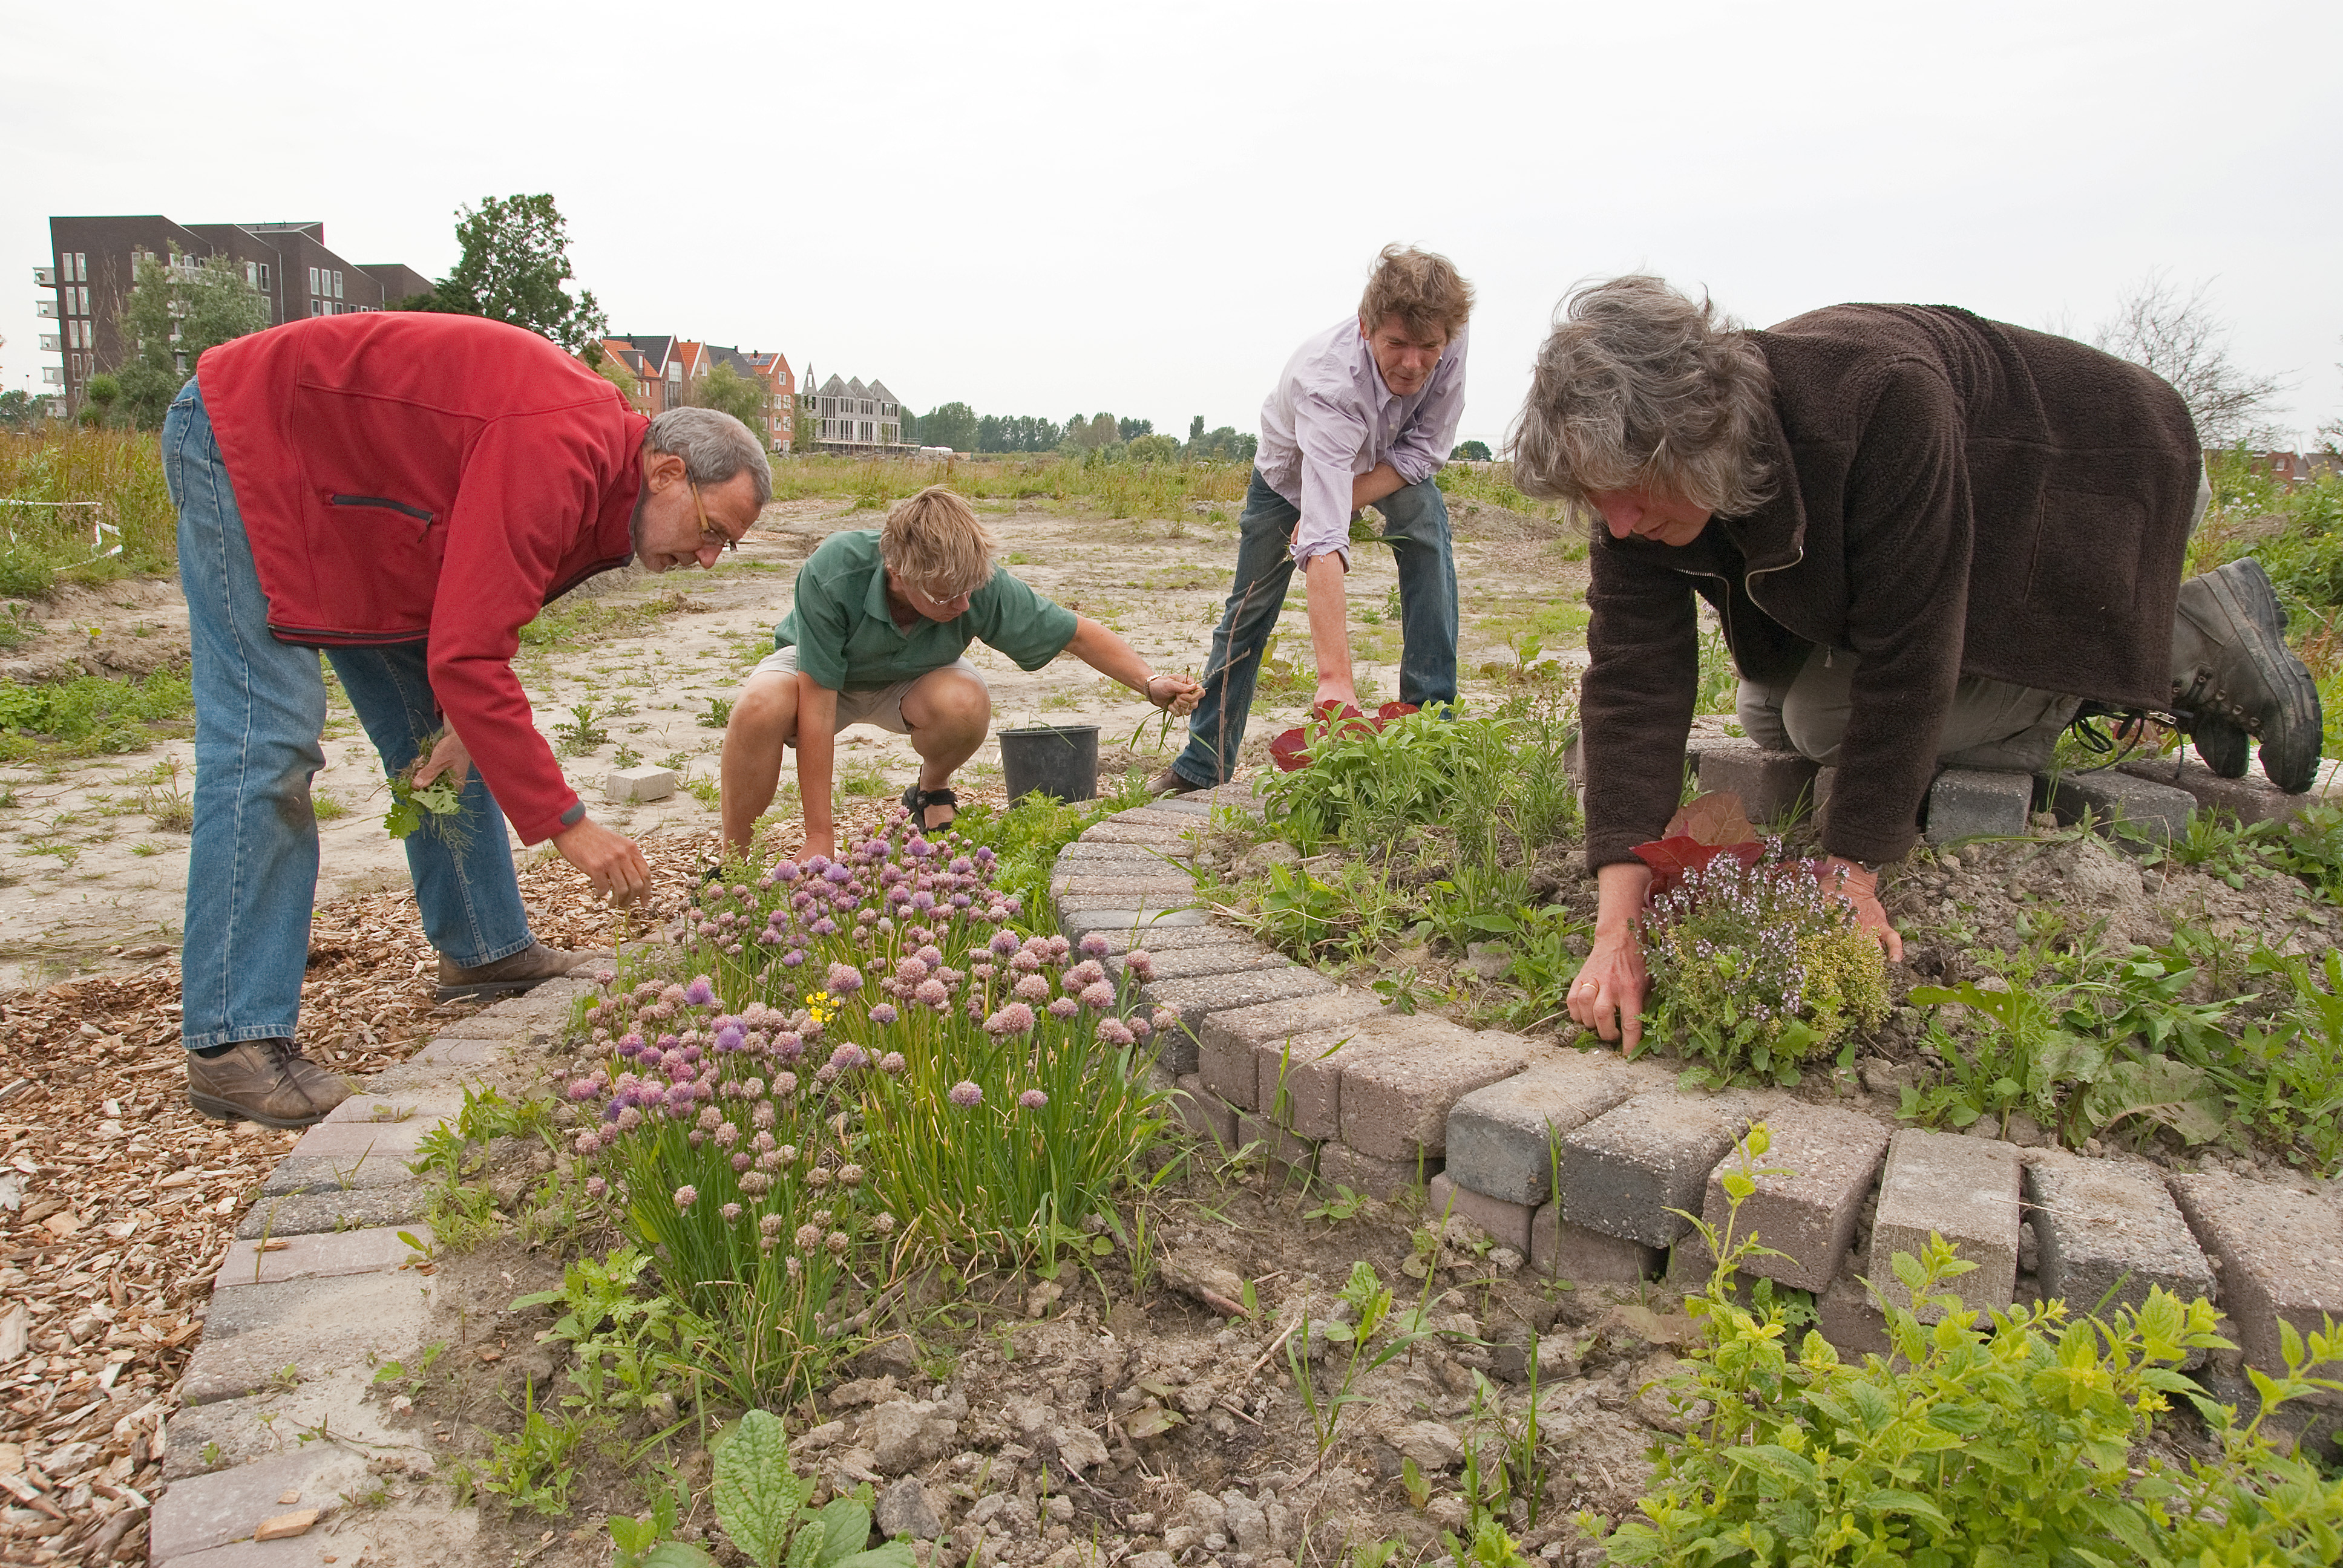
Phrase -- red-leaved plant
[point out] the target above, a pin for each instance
(1291, 751)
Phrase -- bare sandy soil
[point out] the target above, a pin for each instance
(92, 855)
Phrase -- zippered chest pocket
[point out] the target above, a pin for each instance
(420, 514)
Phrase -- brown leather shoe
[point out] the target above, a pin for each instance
(514, 973)
(325, 1089)
(1171, 782)
(258, 1081)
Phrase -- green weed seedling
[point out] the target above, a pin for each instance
(761, 1503)
(718, 714)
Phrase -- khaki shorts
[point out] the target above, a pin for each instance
(883, 706)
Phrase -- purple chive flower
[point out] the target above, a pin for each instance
(583, 1090)
(966, 1095)
(1032, 1099)
(1094, 945)
(1113, 1032)
(911, 971)
(883, 1014)
(1101, 995)
(849, 1057)
(892, 1064)
(685, 1197)
(700, 992)
(843, 979)
(931, 994)
(1014, 1019)
(731, 1213)
(1032, 988)
(825, 927)
(1090, 971)
(1064, 1008)
(595, 1187)
(1004, 942)
(1141, 963)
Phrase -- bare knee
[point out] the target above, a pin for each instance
(766, 710)
(948, 702)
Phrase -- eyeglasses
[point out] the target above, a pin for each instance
(710, 534)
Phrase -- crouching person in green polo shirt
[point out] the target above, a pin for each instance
(878, 634)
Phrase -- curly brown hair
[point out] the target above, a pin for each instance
(1425, 291)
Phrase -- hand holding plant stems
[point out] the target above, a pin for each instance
(429, 790)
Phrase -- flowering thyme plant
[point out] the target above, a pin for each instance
(871, 1057)
(1756, 969)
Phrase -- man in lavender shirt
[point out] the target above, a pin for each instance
(1363, 415)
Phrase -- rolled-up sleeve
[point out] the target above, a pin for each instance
(1429, 433)
(1330, 440)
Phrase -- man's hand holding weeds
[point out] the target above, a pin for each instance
(449, 756)
(610, 860)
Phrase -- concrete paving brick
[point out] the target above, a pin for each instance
(1276, 1145)
(2279, 1252)
(1298, 1079)
(1175, 939)
(1774, 786)
(1204, 1114)
(1394, 1102)
(1849, 1317)
(1978, 803)
(372, 1109)
(1504, 1140)
(644, 783)
(253, 1332)
(308, 1213)
(1963, 1189)
(448, 1051)
(297, 1174)
(1828, 1158)
(1145, 922)
(1624, 1171)
(1197, 805)
(1509, 1223)
(1166, 888)
(1197, 1000)
(375, 1139)
(1170, 834)
(201, 1512)
(2253, 798)
(1092, 857)
(2158, 810)
(317, 1257)
(260, 1426)
(2103, 1226)
(1158, 899)
(1268, 1026)
(1197, 963)
(484, 1025)
(1573, 1252)
(1339, 1164)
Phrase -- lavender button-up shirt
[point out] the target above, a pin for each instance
(1331, 418)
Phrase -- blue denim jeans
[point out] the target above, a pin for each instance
(260, 707)
(1415, 524)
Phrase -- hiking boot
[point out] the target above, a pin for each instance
(512, 974)
(2223, 747)
(2231, 669)
(1171, 782)
(262, 1081)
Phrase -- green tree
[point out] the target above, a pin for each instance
(1195, 433)
(949, 425)
(22, 411)
(1471, 452)
(175, 312)
(1105, 431)
(611, 368)
(515, 265)
(1132, 430)
(728, 391)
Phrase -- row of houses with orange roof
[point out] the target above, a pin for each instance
(665, 371)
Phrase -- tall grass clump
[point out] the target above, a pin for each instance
(1493, 485)
(873, 1064)
(121, 469)
(1115, 485)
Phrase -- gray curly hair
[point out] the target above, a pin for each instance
(714, 447)
(1639, 387)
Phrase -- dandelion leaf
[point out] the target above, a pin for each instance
(756, 1494)
(845, 1527)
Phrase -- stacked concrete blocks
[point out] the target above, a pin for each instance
(1232, 1044)
(1811, 1183)
(1198, 999)
(2108, 1233)
(1626, 1173)
(1504, 1140)
(2253, 798)
(2280, 1256)
(1394, 1099)
(1963, 1189)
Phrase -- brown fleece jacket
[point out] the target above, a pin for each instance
(1953, 496)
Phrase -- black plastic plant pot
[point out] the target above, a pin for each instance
(1059, 760)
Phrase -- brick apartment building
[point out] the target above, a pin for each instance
(665, 368)
(96, 262)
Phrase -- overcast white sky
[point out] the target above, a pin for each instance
(1142, 207)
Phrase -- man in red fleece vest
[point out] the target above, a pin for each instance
(405, 492)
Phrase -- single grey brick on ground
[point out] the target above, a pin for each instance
(1164, 897)
(1978, 803)
(1582, 1256)
(2280, 1253)
(2109, 1230)
(1172, 835)
(1508, 1222)
(1240, 1033)
(2252, 799)
(1963, 1189)
(1140, 923)
(1825, 1158)
(1504, 1141)
(1624, 1172)
(1175, 939)
(309, 1213)
(2109, 794)
(1394, 1100)
(639, 783)
(252, 1333)
(1774, 786)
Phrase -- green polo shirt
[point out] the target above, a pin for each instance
(848, 641)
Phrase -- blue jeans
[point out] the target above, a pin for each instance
(260, 707)
(1415, 524)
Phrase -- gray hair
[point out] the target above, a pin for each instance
(1640, 388)
(714, 446)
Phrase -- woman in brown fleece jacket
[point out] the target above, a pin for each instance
(1928, 537)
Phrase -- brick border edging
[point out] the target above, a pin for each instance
(1575, 1158)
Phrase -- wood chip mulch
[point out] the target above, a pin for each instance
(118, 1202)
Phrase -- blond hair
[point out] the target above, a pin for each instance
(1425, 291)
(935, 542)
(1641, 387)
